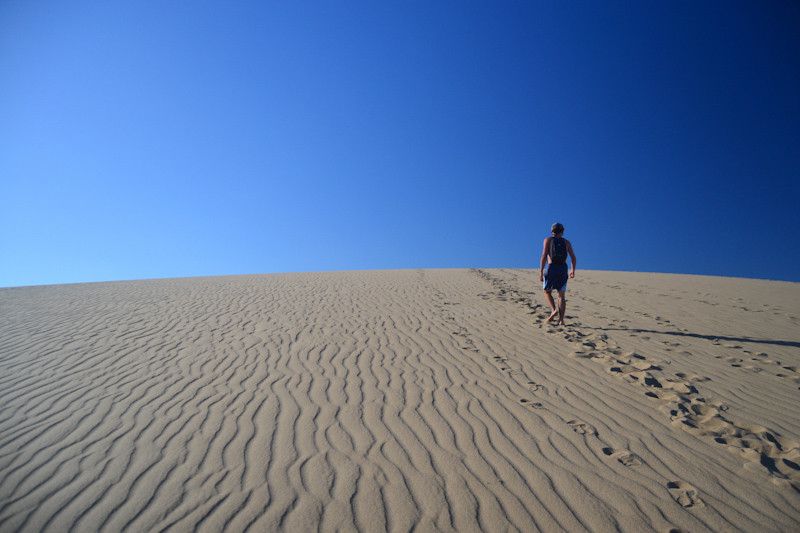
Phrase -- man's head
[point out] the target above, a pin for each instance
(557, 229)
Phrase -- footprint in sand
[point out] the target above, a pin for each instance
(755, 369)
(534, 405)
(685, 494)
(578, 354)
(692, 377)
(623, 456)
(582, 427)
(535, 387)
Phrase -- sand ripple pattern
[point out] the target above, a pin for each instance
(371, 401)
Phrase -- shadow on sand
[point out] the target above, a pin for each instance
(707, 337)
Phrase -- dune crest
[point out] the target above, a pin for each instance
(393, 400)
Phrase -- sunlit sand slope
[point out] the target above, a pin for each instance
(395, 400)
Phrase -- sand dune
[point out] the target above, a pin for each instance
(399, 400)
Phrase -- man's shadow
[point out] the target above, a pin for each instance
(706, 337)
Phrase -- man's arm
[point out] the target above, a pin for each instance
(574, 259)
(543, 261)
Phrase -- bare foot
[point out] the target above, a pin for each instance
(552, 316)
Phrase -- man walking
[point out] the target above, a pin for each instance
(555, 276)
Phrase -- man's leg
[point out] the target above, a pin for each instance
(562, 306)
(549, 296)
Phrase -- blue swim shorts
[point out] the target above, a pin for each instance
(555, 277)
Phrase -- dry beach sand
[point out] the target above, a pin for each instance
(401, 400)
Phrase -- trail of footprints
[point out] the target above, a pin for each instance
(701, 417)
(788, 372)
(757, 360)
(685, 494)
(692, 412)
(678, 396)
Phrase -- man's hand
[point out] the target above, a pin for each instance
(571, 274)
(541, 276)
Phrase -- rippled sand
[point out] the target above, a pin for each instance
(399, 400)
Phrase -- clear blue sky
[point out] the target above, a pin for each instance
(156, 139)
